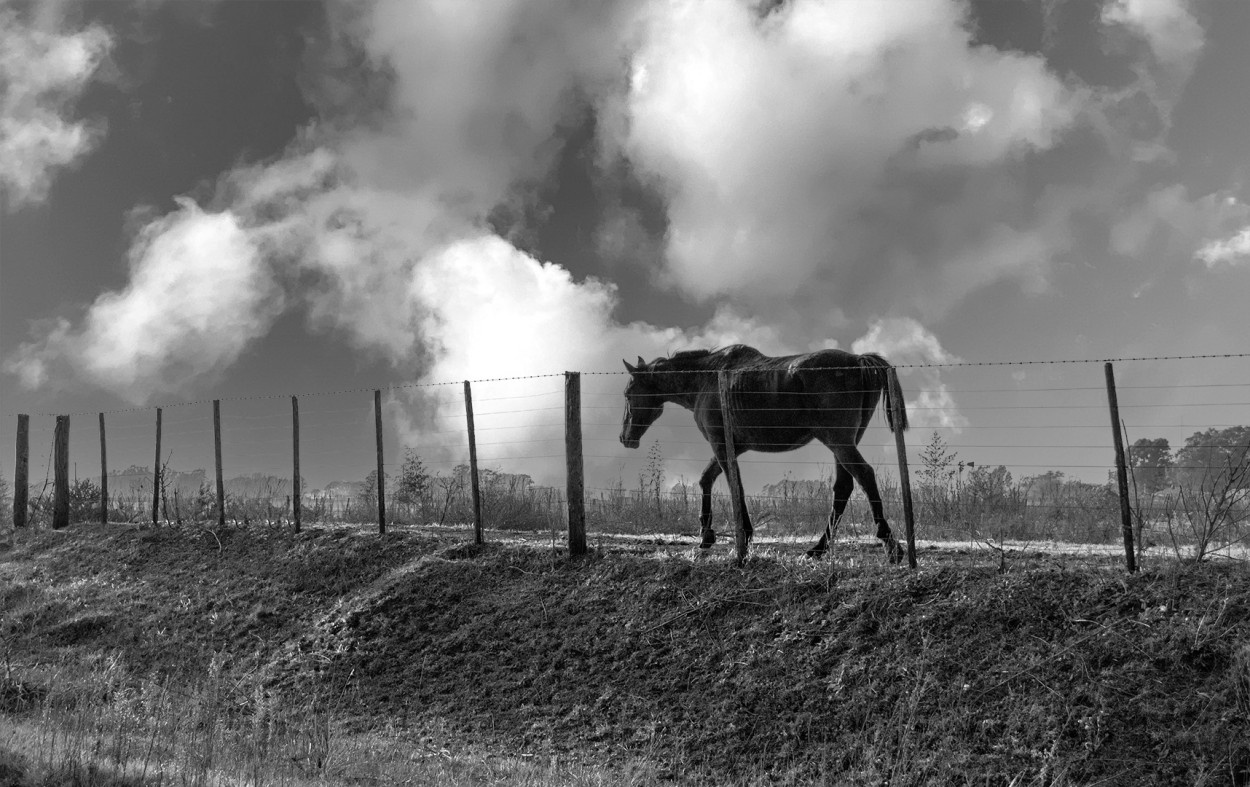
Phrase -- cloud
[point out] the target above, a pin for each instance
(817, 166)
(199, 292)
(480, 93)
(1139, 114)
(904, 341)
(1168, 27)
(1234, 251)
(838, 144)
(43, 72)
(1170, 225)
(375, 220)
(487, 310)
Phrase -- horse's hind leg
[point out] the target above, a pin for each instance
(850, 458)
(843, 485)
(710, 474)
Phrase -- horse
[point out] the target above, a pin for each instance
(778, 404)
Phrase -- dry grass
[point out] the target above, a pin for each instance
(181, 655)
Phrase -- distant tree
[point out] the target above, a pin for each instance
(84, 504)
(368, 496)
(1044, 488)
(1211, 452)
(414, 479)
(1213, 470)
(939, 462)
(989, 484)
(1152, 464)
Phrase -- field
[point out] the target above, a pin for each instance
(138, 655)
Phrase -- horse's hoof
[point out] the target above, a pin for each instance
(706, 545)
(815, 554)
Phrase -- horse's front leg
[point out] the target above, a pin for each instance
(710, 474)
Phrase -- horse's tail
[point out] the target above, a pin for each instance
(880, 375)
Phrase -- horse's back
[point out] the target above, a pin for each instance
(783, 402)
(824, 360)
(821, 371)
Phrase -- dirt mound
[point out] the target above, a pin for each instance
(782, 670)
(802, 670)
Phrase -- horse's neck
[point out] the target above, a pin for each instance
(682, 387)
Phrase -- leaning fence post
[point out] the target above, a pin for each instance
(377, 425)
(477, 492)
(296, 488)
(156, 472)
(60, 482)
(1121, 472)
(221, 484)
(731, 465)
(21, 472)
(104, 476)
(573, 462)
(898, 416)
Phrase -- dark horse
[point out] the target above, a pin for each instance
(778, 404)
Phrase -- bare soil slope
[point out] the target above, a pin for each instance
(647, 660)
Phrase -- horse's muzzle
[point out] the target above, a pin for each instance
(629, 442)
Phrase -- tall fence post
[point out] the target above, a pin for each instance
(296, 488)
(21, 472)
(156, 472)
(60, 482)
(1121, 472)
(731, 466)
(477, 492)
(104, 476)
(377, 425)
(221, 483)
(575, 470)
(898, 406)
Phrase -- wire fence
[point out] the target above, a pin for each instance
(998, 452)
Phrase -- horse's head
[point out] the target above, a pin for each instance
(643, 403)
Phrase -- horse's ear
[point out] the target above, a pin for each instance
(628, 368)
(641, 362)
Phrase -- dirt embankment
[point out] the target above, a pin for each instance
(1058, 671)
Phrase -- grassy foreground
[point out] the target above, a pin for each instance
(137, 656)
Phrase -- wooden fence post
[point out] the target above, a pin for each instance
(221, 484)
(904, 478)
(156, 472)
(575, 471)
(21, 472)
(1121, 472)
(731, 466)
(296, 488)
(377, 425)
(60, 482)
(104, 476)
(478, 538)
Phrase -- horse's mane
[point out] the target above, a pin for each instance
(705, 359)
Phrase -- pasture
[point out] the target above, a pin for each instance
(139, 655)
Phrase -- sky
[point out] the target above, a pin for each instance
(247, 201)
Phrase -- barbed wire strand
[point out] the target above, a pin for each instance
(392, 386)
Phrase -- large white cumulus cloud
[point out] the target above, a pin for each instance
(784, 143)
(199, 292)
(480, 90)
